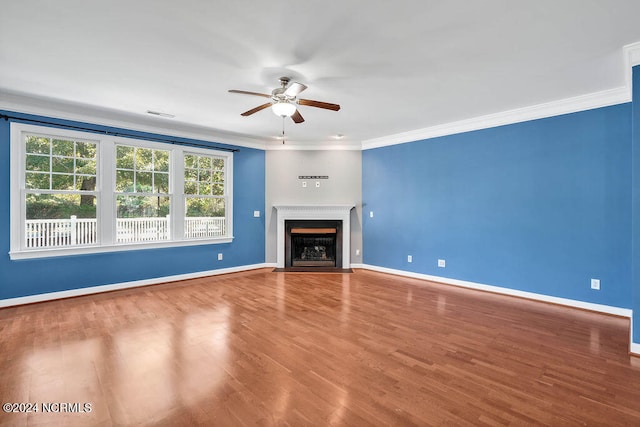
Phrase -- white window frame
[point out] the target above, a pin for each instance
(106, 208)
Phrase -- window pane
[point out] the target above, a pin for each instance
(205, 176)
(85, 183)
(190, 188)
(161, 162)
(59, 220)
(218, 163)
(38, 145)
(190, 161)
(161, 183)
(204, 162)
(205, 217)
(62, 182)
(87, 167)
(142, 219)
(124, 181)
(217, 189)
(62, 164)
(144, 159)
(191, 174)
(218, 177)
(86, 150)
(37, 163)
(62, 148)
(144, 182)
(37, 181)
(124, 157)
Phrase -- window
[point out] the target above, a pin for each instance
(205, 196)
(59, 192)
(143, 201)
(75, 192)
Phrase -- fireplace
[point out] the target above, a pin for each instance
(313, 243)
(319, 217)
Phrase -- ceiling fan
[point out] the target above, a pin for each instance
(284, 100)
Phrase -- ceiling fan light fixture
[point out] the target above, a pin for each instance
(283, 109)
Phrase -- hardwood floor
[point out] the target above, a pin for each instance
(266, 348)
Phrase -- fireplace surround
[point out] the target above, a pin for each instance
(323, 214)
(313, 243)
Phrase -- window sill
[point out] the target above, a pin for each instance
(85, 250)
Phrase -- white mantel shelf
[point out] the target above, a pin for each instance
(308, 211)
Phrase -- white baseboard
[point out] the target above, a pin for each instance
(617, 311)
(125, 285)
(634, 348)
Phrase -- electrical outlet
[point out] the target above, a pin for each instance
(219, 257)
(595, 284)
(357, 252)
(409, 258)
(256, 214)
(370, 214)
(317, 184)
(304, 184)
(442, 263)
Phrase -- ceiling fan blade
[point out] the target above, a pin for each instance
(294, 89)
(250, 93)
(255, 110)
(325, 105)
(297, 117)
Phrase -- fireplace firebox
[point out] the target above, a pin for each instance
(313, 243)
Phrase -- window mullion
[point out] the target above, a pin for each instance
(106, 186)
(176, 188)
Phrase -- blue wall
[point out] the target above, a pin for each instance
(28, 277)
(541, 206)
(636, 205)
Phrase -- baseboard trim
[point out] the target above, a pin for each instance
(634, 349)
(30, 299)
(616, 311)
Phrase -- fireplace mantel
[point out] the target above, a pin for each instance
(329, 212)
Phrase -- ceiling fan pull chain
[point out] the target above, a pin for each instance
(283, 129)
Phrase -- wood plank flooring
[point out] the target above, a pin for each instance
(295, 349)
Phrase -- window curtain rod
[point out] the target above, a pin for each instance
(122, 134)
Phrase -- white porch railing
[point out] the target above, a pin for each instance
(51, 233)
(195, 227)
(132, 230)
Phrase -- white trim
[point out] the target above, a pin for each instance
(631, 54)
(555, 108)
(125, 285)
(86, 250)
(58, 109)
(634, 348)
(328, 212)
(616, 311)
(301, 146)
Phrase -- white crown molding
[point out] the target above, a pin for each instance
(299, 146)
(631, 54)
(555, 108)
(21, 103)
(125, 285)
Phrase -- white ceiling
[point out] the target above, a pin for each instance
(393, 66)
